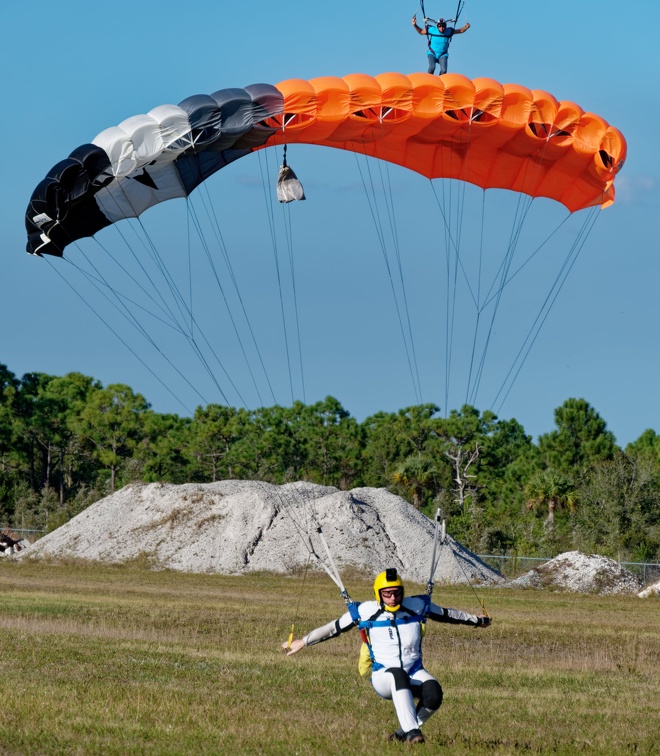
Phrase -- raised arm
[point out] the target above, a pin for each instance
(462, 29)
(414, 23)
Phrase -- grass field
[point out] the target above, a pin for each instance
(123, 660)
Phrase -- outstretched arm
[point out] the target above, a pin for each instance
(457, 617)
(462, 29)
(323, 633)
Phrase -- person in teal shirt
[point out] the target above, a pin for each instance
(439, 38)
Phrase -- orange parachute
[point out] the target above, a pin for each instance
(489, 134)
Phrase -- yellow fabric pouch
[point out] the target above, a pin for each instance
(364, 662)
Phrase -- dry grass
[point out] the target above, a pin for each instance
(119, 660)
(176, 517)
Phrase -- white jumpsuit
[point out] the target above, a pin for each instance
(396, 646)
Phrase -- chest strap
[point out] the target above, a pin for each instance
(373, 622)
(368, 624)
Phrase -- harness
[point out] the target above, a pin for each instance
(430, 34)
(368, 663)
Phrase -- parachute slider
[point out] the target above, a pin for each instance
(289, 187)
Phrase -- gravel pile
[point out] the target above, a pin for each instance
(650, 591)
(235, 527)
(583, 573)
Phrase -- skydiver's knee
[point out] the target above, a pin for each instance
(431, 697)
(401, 678)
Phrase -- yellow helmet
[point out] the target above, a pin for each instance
(388, 579)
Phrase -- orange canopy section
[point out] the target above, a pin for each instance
(493, 135)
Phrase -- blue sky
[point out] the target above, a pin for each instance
(74, 68)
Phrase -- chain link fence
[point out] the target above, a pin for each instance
(27, 534)
(514, 566)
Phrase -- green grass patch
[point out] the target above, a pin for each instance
(124, 659)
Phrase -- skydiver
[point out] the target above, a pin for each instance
(438, 41)
(394, 630)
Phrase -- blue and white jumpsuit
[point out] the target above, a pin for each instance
(395, 639)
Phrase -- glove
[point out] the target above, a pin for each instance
(483, 622)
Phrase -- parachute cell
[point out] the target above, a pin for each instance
(480, 131)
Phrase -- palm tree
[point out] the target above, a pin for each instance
(417, 475)
(548, 489)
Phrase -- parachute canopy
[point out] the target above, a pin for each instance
(489, 134)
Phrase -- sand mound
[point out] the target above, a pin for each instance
(244, 526)
(584, 573)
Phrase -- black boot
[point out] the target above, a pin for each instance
(415, 736)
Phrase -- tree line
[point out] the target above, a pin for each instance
(66, 442)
